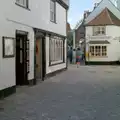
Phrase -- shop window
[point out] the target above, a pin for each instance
(56, 50)
(98, 50)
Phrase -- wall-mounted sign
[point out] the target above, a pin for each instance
(8, 47)
(99, 37)
(89, 37)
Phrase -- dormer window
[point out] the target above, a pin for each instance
(99, 30)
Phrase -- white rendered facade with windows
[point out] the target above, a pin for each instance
(103, 52)
(25, 15)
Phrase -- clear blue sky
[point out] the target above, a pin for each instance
(77, 8)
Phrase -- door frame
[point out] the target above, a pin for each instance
(43, 61)
(24, 33)
(41, 37)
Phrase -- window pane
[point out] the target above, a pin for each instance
(104, 51)
(99, 30)
(52, 10)
(52, 5)
(92, 50)
(52, 16)
(56, 49)
(23, 2)
(98, 50)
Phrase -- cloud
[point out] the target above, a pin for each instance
(69, 20)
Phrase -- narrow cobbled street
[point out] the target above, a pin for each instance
(85, 93)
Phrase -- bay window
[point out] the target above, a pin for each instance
(100, 51)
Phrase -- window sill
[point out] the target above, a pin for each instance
(98, 56)
(100, 35)
(22, 6)
(53, 22)
(56, 63)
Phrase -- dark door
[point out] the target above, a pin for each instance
(22, 59)
(43, 59)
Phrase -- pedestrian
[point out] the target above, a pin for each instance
(74, 56)
(78, 57)
(70, 55)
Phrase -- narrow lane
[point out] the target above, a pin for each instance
(85, 93)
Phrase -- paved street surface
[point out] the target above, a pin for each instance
(85, 93)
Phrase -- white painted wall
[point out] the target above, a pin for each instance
(50, 69)
(14, 17)
(99, 9)
(113, 49)
(38, 16)
(7, 65)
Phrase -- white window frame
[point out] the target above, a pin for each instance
(23, 3)
(56, 48)
(98, 50)
(99, 30)
(52, 11)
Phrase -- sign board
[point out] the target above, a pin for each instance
(88, 38)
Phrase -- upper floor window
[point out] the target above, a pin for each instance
(23, 3)
(52, 11)
(99, 30)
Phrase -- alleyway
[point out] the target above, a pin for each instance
(86, 93)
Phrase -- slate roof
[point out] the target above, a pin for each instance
(106, 17)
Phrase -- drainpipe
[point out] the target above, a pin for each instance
(74, 39)
(74, 52)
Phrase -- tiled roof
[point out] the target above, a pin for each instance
(99, 42)
(106, 17)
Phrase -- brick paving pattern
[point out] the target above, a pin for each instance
(85, 93)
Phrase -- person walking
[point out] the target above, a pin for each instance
(78, 57)
(70, 55)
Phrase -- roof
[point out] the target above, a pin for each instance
(106, 17)
(102, 5)
(79, 23)
(99, 42)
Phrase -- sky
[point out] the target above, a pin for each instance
(77, 8)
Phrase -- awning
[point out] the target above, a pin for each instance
(99, 42)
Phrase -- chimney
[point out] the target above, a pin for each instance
(86, 13)
(95, 5)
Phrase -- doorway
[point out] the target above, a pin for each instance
(40, 59)
(22, 58)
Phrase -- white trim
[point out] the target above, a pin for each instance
(56, 62)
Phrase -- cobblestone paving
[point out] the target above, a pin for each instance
(85, 93)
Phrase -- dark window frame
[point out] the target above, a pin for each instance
(54, 21)
(20, 5)
(63, 61)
